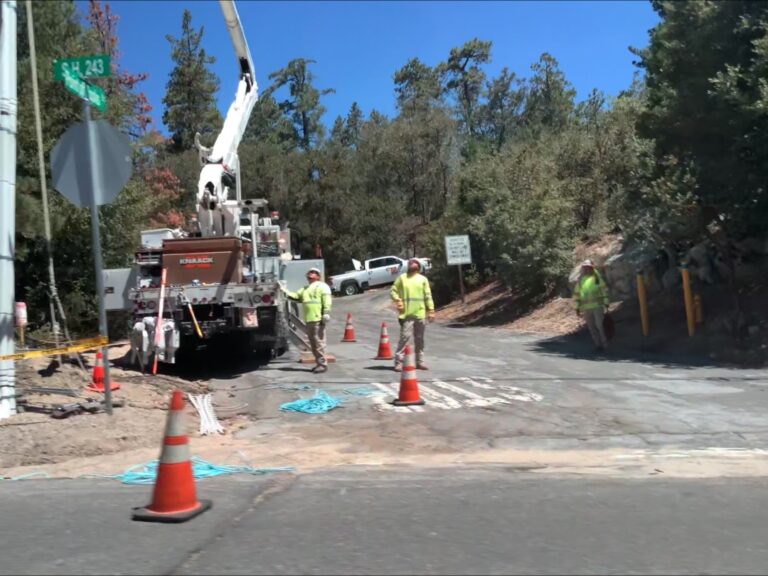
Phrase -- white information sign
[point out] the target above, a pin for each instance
(457, 250)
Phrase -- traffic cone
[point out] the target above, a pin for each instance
(97, 376)
(349, 331)
(174, 498)
(409, 384)
(385, 351)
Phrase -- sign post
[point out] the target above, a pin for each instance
(458, 253)
(90, 165)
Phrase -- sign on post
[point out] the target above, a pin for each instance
(97, 66)
(90, 164)
(458, 253)
(79, 87)
(457, 250)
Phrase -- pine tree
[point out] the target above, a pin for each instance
(190, 97)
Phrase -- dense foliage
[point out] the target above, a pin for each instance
(516, 160)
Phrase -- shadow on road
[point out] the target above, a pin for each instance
(205, 364)
(664, 351)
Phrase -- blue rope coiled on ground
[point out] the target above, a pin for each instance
(147, 473)
(319, 404)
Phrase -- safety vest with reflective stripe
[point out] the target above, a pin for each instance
(415, 293)
(315, 300)
(591, 292)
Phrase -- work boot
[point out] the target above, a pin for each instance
(320, 369)
(398, 366)
(421, 366)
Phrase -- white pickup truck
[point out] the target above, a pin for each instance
(375, 272)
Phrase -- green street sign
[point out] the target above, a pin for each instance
(85, 66)
(81, 88)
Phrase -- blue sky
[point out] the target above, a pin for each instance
(359, 45)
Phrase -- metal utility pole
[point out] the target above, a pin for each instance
(8, 106)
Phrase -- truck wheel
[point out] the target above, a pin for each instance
(350, 289)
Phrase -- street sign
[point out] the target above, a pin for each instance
(90, 164)
(108, 157)
(97, 66)
(79, 87)
(457, 250)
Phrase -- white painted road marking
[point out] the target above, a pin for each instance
(474, 399)
(385, 404)
(437, 399)
(444, 399)
(475, 383)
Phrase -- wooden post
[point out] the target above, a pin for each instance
(461, 284)
(690, 314)
(643, 299)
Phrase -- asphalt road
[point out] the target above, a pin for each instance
(504, 389)
(405, 521)
(487, 389)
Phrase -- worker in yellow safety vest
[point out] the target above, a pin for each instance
(413, 298)
(316, 304)
(591, 299)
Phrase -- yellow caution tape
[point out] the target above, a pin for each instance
(77, 346)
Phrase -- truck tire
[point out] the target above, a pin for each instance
(350, 288)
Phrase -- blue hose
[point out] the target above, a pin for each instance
(319, 404)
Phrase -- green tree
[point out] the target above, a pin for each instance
(500, 117)
(550, 101)
(352, 125)
(303, 105)
(707, 98)
(190, 97)
(268, 124)
(417, 87)
(464, 79)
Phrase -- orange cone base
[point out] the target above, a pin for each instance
(147, 515)
(94, 387)
(390, 357)
(398, 402)
(349, 339)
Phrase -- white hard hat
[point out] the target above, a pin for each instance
(587, 264)
(315, 270)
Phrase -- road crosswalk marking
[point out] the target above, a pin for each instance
(385, 402)
(468, 392)
(474, 399)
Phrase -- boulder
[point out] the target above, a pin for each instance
(671, 279)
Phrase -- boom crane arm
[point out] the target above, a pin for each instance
(218, 213)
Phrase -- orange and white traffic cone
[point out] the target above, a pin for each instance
(349, 331)
(97, 376)
(409, 384)
(174, 498)
(385, 351)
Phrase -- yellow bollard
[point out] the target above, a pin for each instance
(643, 299)
(699, 311)
(690, 314)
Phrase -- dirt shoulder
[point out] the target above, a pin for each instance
(35, 438)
